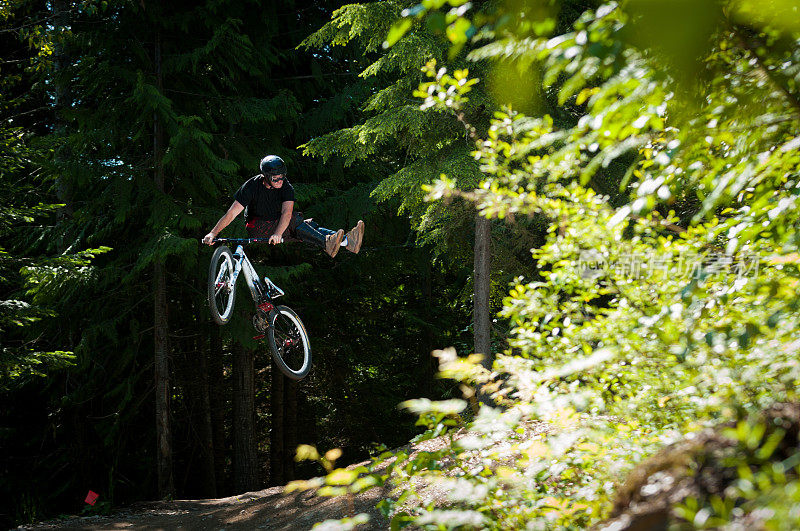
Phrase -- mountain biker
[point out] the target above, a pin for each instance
(268, 202)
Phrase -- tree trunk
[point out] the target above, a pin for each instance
(61, 23)
(62, 100)
(276, 435)
(290, 429)
(217, 399)
(166, 484)
(245, 457)
(204, 428)
(482, 319)
(430, 338)
(306, 420)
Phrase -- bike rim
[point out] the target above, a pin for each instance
(291, 342)
(223, 287)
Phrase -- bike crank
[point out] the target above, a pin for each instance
(261, 319)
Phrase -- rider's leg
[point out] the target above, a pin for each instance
(325, 238)
(323, 230)
(352, 239)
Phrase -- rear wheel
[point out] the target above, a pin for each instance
(221, 288)
(289, 343)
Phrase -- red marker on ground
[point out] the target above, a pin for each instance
(91, 497)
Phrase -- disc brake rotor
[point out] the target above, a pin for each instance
(260, 322)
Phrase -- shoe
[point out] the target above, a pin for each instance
(329, 242)
(354, 238)
(333, 242)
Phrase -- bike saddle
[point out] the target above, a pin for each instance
(273, 291)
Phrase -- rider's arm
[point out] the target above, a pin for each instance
(223, 222)
(286, 216)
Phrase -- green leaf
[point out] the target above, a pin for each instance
(397, 31)
(341, 476)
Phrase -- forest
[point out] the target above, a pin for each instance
(579, 270)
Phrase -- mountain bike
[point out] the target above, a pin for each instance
(280, 325)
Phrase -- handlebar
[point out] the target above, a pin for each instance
(242, 240)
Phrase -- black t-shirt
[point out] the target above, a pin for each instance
(263, 202)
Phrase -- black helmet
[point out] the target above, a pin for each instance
(272, 165)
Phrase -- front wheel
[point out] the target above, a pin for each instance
(221, 287)
(289, 343)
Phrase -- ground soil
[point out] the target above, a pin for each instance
(265, 509)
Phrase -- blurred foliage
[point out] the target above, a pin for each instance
(662, 305)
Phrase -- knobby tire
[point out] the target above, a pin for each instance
(289, 343)
(221, 289)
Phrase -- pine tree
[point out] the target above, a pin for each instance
(418, 146)
(409, 146)
(152, 155)
(22, 207)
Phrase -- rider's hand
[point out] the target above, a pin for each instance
(208, 239)
(275, 239)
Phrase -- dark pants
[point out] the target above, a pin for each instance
(264, 228)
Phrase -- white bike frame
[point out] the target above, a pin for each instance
(241, 264)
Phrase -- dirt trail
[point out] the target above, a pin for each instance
(264, 509)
